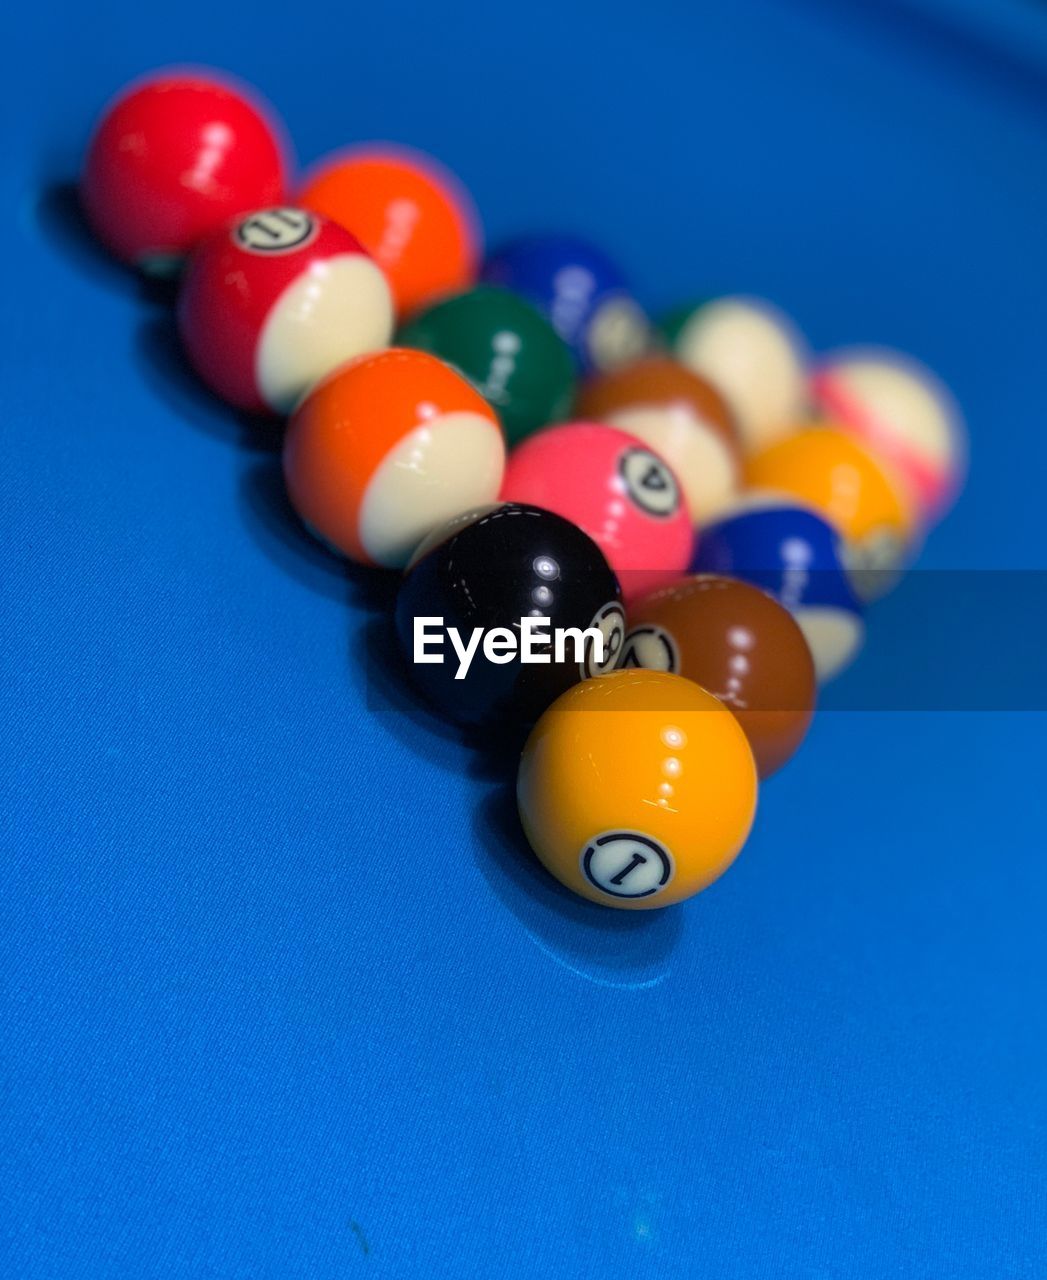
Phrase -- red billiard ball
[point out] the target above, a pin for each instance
(174, 157)
(274, 301)
(612, 485)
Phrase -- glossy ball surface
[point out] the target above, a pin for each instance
(753, 354)
(827, 469)
(682, 417)
(581, 291)
(175, 157)
(637, 789)
(490, 569)
(386, 448)
(274, 302)
(741, 645)
(799, 558)
(411, 214)
(900, 410)
(510, 353)
(614, 487)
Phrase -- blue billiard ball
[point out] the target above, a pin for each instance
(581, 291)
(798, 558)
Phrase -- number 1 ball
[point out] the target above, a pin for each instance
(734, 640)
(386, 448)
(614, 487)
(274, 302)
(175, 157)
(637, 789)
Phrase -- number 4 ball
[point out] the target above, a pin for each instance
(637, 789)
(614, 487)
(277, 300)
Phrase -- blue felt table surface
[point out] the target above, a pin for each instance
(282, 993)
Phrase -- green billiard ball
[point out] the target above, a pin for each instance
(510, 352)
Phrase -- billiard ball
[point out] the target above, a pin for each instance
(492, 569)
(387, 447)
(637, 789)
(681, 416)
(827, 469)
(753, 354)
(275, 301)
(506, 349)
(580, 290)
(413, 215)
(737, 642)
(794, 554)
(613, 486)
(900, 410)
(174, 157)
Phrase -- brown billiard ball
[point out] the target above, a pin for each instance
(741, 645)
(679, 415)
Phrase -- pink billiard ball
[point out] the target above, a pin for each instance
(276, 300)
(174, 157)
(620, 492)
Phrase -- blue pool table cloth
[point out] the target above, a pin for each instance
(282, 993)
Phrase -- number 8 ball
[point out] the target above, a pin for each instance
(492, 567)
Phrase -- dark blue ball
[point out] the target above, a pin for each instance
(580, 290)
(797, 557)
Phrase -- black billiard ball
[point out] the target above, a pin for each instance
(484, 574)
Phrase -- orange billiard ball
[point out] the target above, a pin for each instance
(386, 448)
(415, 219)
(637, 789)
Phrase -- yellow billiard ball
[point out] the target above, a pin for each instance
(637, 789)
(859, 494)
